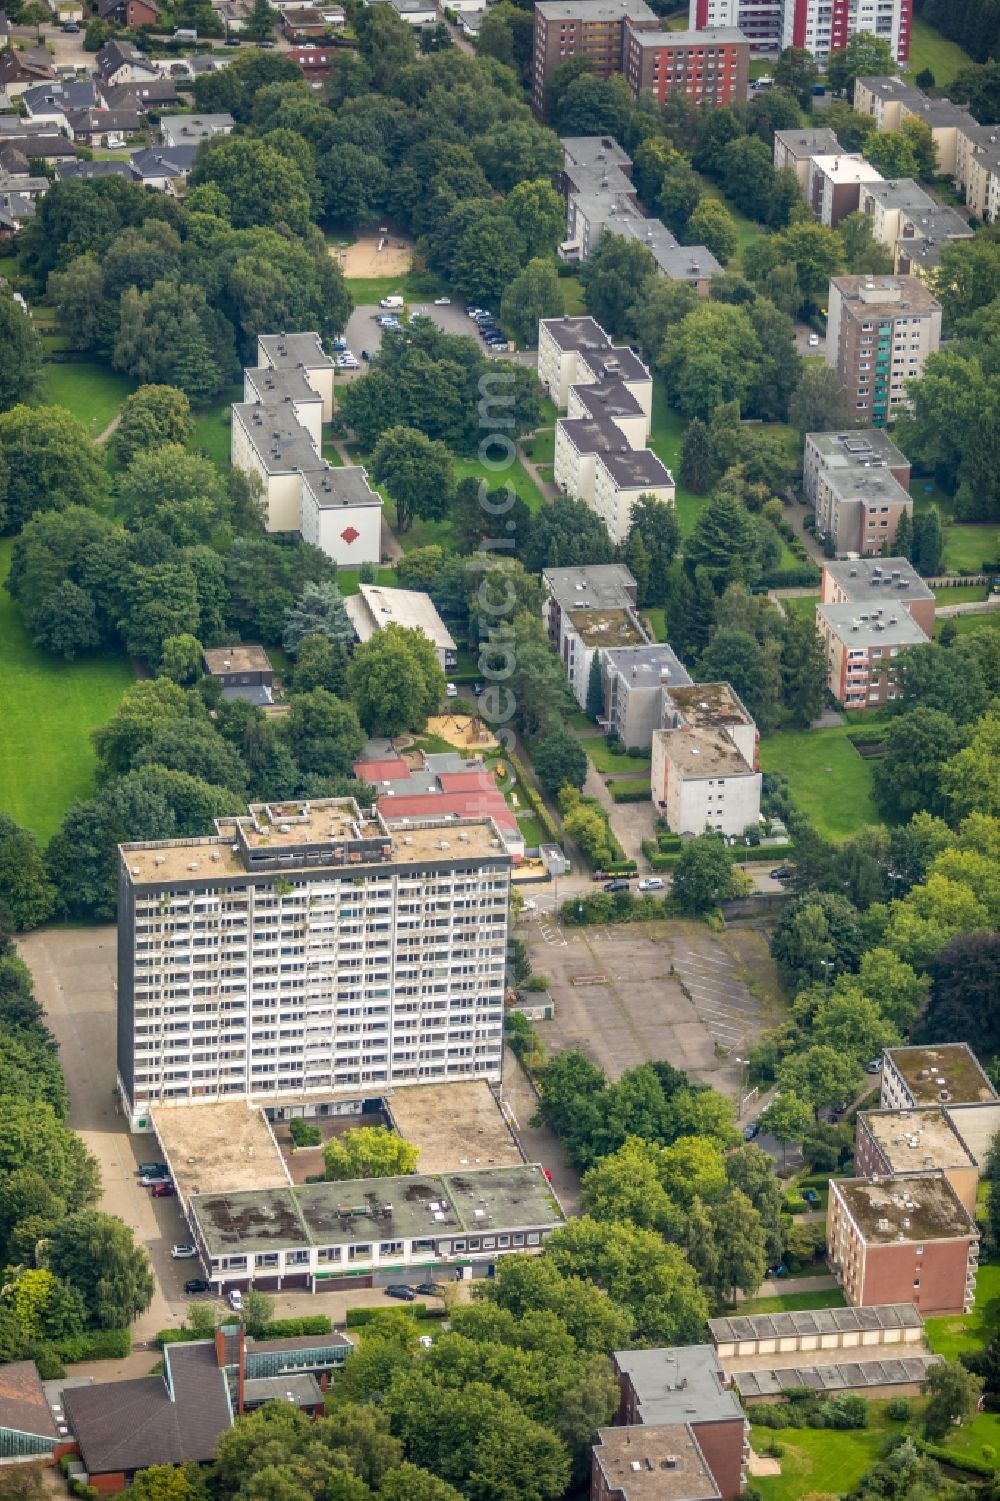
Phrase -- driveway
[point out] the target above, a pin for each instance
(74, 973)
(803, 333)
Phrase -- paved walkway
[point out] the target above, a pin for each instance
(969, 607)
(778, 1287)
(112, 425)
(546, 487)
(795, 515)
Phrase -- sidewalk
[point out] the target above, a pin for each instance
(546, 488)
(778, 1287)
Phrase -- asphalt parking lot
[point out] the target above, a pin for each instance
(671, 990)
(363, 332)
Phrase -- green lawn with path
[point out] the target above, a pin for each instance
(827, 777)
(92, 392)
(800, 604)
(50, 708)
(960, 594)
(541, 446)
(929, 49)
(514, 475)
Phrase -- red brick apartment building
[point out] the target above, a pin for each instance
(902, 1240)
(710, 67)
(594, 29)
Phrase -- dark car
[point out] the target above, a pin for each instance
(477, 689)
(400, 1291)
(429, 1289)
(153, 1170)
(71, 28)
(164, 1190)
(780, 873)
(620, 884)
(365, 355)
(232, 41)
(751, 1130)
(197, 1285)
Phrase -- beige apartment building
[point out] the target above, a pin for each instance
(880, 330)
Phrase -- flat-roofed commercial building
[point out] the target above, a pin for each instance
(373, 1231)
(306, 950)
(946, 1073)
(902, 1239)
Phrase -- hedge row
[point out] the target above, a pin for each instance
(530, 791)
(738, 854)
(799, 577)
(358, 1317)
(310, 1323)
(98, 1344)
(958, 1461)
(627, 793)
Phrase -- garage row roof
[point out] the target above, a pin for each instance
(851, 1376)
(817, 1321)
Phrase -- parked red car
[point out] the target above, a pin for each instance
(163, 1190)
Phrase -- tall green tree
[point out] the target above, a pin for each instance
(396, 681)
(697, 467)
(417, 473)
(47, 463)
(703, 876)
(803, 669)
(26, 896)
(21, 365)
(150, 417)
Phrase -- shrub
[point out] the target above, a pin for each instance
(898, 1410)
(46, 1358)
(630, 790)
(304, 1133)
(846, 1411)
(98, 1344)
(536, 982)
(310, 1323)
(526, 789)
(358, 1317)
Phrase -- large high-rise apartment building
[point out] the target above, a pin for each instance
(821, 26)
(879, 332)
(305, 951)
(594, 29)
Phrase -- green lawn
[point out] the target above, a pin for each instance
(332, 454)
(971, 1439)
(516, 476)
(531, 830)
(965, 623)
(213, 426)
(746, 230)
(573, 299)
(823, 1297)
(609, 761)
(828, 779)
(819, 1461)
(348, 581)
(656, 615)
(950, 1336)
(960, 594)
(92, 392)
(665, 441)
(804, 604)
(929, 49)
(967, 544)
(371, 289)
(541, 446)
(50, 707)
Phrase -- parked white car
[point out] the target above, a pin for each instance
(236, 1300)
(651, 883)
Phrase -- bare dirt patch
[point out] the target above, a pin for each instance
(364, 259)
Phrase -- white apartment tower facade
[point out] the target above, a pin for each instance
(821, 26)
(307, 953)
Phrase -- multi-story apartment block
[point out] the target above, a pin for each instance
(857, 484)
(910, 1143)
(705, 772)
(600, 453)
(601, 198)
(880, 330)
(577, 352)
(307, 951)
(659, 1463)
(946, 1074)
(911, 224)
(576, 601)
(711, 65)
(872, 587)
(821, 26)
(891, 102)
(594, 29)
(277, 436)
(797, 149)
(636, 683)
(688, 1386)
(829, 453)
(861, 648)
(898, 1240)
(835, 185)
